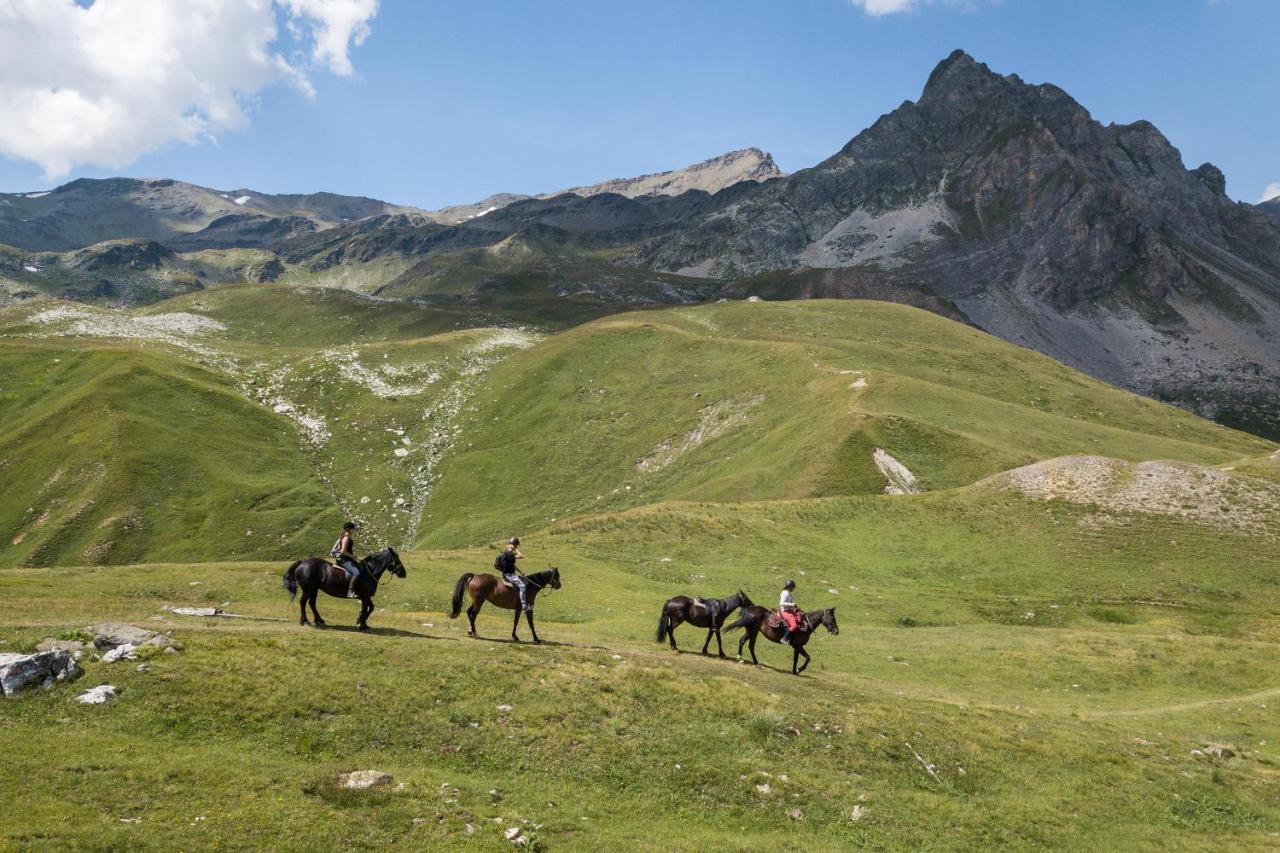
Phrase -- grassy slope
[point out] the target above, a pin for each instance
(1072, 728)
(558, 430)
(112, 455)
(1066, 664)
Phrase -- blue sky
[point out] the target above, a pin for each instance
(448, 102)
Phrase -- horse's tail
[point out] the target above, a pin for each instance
(664, 624)
(291, 582)
(457, 594)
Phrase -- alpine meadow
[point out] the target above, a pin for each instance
(995, 385)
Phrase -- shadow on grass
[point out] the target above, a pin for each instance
(385, 632)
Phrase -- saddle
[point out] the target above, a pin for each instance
(774, 620)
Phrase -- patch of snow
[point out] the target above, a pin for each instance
(244, 199)
(31, 269)
(39, 195)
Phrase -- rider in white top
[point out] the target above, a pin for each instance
(787, 601)
(787, 604)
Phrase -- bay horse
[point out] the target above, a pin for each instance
(313, 575)
(756, 621)
(682, 608)
(486, 587)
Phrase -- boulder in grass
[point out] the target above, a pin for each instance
(110, 635)
(97, 695)
(43, 669)
(363, 780)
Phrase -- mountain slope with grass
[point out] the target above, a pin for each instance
(112, 455)
(759, 400)
(1061, 634)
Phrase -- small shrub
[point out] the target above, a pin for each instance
(766, 726)
(1113, 616)
(907, 622)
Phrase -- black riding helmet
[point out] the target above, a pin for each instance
(789, 585)
(514, 540)
(350, 525)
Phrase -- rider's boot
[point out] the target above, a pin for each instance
(351, 588)
(786, 637)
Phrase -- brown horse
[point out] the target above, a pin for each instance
(756, 621)
(487, 587)
(682, 609)
(313, 575)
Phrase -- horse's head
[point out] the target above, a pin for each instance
(829, 620)
(554, 580)
(396, 567)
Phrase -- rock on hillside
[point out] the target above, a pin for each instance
(1178, 489)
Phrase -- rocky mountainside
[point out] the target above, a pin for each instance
(711, 176)
(1271, 207)
(88, 211)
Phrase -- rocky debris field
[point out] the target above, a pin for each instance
(1180, 489)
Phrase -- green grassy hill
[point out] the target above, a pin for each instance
(1034, 651)
(1055, 672)
(114, 455)
(751, 401)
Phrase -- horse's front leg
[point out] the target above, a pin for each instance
(706, 645)
(529, 616)
(804, 665)
(516, 625)
(366, 607)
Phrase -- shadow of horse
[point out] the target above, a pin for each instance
(387, 632)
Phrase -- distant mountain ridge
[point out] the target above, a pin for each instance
(711, 176)
(1271, 207)
(88, 211)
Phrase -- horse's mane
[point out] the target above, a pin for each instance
(728, 602)
(543, 576)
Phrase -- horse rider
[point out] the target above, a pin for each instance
(344, 554)
(790, 612)
(505, 563)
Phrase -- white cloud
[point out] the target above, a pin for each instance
(106, 83)
(1272, 191)
(877, 8)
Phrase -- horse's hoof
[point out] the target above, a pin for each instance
(536, 641)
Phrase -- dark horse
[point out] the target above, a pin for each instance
(756, 621)
(682, 609)
(487, 587)
(313, 575)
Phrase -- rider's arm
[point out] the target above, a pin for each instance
(519, 556)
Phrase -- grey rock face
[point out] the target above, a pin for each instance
(110, 635)
(43, 669)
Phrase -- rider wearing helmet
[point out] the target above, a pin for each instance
(790, 612)
(344, 553)
(505, 563)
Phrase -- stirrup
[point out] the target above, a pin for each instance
(351, 593)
